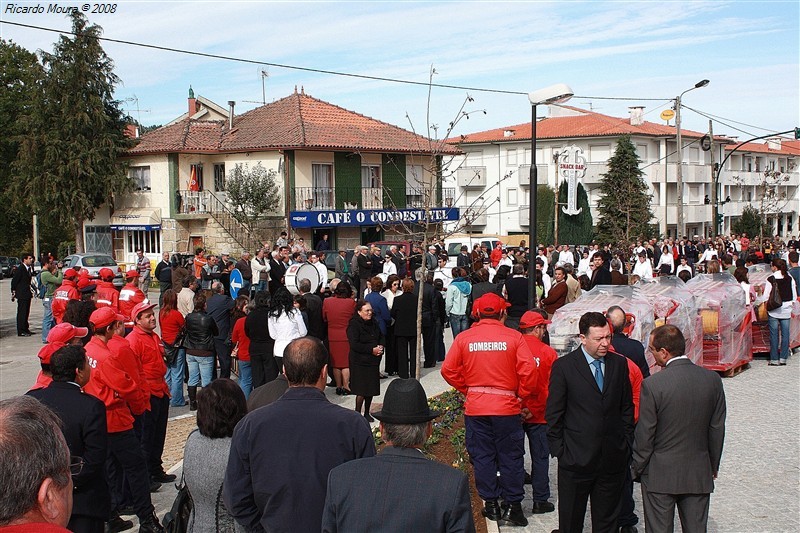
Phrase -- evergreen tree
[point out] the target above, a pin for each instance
(750, 222)
(68, 160)
(575, 229)
(624, 204)
(545, 204)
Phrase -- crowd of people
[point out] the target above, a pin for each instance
(350, 332)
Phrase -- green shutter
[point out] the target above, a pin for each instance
(174, 185)
(347, 178)
(393, 172)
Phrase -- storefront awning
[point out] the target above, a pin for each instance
(136, 219)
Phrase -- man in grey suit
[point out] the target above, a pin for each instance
(679, 437)
(400, 489)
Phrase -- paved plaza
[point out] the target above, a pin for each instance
(758, 489)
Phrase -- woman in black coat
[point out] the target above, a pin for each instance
(199, 344)
(366, 349)
(404, 312)
(263, 366)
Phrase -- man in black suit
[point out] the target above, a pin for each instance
(415, 493)
(600, 275)
(22, 291)
(630, 348)
(277, 269)
(83, 420)
(590, 428)
(316, 324)
(679, 437)
(219, 308)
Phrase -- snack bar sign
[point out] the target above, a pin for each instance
(371, 217)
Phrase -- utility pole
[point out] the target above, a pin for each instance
(555, 220)
(714, 185)
(679, 230)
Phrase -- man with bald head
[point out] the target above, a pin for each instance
(630, 348)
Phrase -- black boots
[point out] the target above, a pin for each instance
(513, 515)
(491, 510)
(150, 524)
(192, 398)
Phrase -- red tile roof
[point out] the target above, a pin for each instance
(297, 121)
(586, 124)
(788, 147)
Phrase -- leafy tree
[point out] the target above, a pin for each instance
(68, 159)
(253, 193)
(750, 222)
(545, 205)
(575, 229)
(624, 204)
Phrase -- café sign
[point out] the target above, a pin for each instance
(371, 217)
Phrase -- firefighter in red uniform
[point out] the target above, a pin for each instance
(129, 296)
(533, 326)
(61, 335)
(107, 293)
(111, 382)
(492, 365)
(68, 290)
(147, 346)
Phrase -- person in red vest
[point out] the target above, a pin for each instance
(147, 345)
(533, 327)
(113, 385)
(107, 294)
(129, 296)
(68, 290)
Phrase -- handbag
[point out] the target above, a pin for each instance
(180, 339)
(177, 518)
(774, 301)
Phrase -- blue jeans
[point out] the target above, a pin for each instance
(783, 323)
(201, 369)
(47, 320)
(245, 378)
(458, 323)
(174, 378)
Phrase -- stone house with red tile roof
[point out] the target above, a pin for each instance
(342, 173)
(496, 165)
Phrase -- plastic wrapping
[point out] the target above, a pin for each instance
(564, 334)
(758, 279)
(672, 303)
(727, 330)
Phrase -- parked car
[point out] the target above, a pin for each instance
(13, 263)
(5, 267)
(93, 262)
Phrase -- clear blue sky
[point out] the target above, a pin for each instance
(640, 50)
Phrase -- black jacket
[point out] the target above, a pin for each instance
(164, 271)
(21, 283)
(363, 335)
(84, 426)
(219, 307)
(404, 312)
(200, 332)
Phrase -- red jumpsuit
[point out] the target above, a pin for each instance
(129, 296)
(107, 295)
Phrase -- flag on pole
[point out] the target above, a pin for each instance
(193, 184)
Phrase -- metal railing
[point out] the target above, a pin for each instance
(206, 202)
(324, 198)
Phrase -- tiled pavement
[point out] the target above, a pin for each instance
(758, 489)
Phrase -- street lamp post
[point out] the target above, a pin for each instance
(681, 229)
(555, 94)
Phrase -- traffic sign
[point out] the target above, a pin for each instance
(667, 114)
(237, 281)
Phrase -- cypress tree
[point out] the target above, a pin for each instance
(575, 229)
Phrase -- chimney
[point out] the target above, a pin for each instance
(637, 115)
(231, 105)
(192, 102)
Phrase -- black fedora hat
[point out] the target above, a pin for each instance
(405, 403)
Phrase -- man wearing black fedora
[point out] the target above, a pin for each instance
(399, 489)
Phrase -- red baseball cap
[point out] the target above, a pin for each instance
(531, 319)
(86, 285)
(70, 273)
(65, 332)
(104, 317)
(48, 350)
(131, 274)
(106, 274)
(140, 308)
(489, 304)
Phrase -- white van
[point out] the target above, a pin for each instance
(454, 243)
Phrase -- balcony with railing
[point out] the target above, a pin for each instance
(331, 198)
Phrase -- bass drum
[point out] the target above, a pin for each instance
(301, 271)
